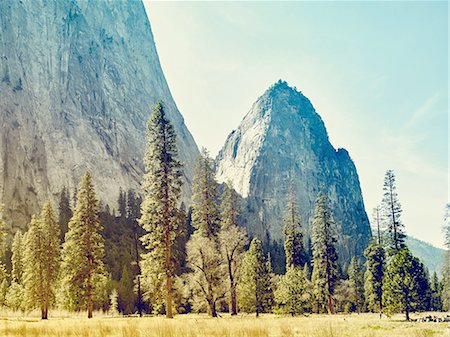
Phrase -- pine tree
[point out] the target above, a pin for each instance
(325, 268)
(232, 241)
(113, 303)
(356, 277)
(42, 260)
(255, 288)
(293, 293)
(65, 212)
(160, 215)
(373, 277)
(122, 204)
(435, 293)
(83, 250)
(203, 248)
(15, 296)
(17, 258)
(392, 210)
(405, 286)
(125, 292)
(133, 214)
(205, 199)
(445, 297)
(293, 236)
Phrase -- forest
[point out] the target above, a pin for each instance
(156, 255)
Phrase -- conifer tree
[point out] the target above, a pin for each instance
(356, 278)
(42, 260)
(391, 211)
(435, 293)
(205, 198)
(204, 258)
(83, 250)
(325, 268)
(232, 240)
(65, 212)
(160, 214)
(373, 277)
(125, 292)
(15, 296)
(122, 203)
(133, 214)
(293, 293)
(405, 286)
(255, 287)
(293, 236)
(446, 267)
(17, 258)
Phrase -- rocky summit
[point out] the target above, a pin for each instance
(78, 80)
(282, 142)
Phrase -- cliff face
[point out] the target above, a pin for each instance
(78, 80)
(281, 142)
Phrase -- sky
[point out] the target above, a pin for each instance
(376, 72)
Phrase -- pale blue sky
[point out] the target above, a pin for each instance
(377, 73)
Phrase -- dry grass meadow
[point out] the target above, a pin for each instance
(367, 325)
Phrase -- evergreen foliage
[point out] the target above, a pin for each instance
(255, 289)
(405, 286)
(293, 236)
(373, 277)
(325, 268)
(83, 252)
(356, 278)
(65, 212)
(293, 293)
(42, 260)
(17, 257)
(161, 217)
(205, 198)
(446, 268)
(391, 211)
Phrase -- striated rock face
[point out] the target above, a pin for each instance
(282, 141)
(78, 79)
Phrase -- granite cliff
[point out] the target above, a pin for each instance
(78, 79)
(282, 141)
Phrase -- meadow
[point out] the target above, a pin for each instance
(192, 325)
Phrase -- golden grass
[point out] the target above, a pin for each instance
(364, 325)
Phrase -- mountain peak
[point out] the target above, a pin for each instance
(281, 142)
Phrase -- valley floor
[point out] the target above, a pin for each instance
(367, 325)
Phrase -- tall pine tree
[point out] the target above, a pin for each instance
(293, 236)
(160, 214)
(83, 250)
(391, 211)
(65, 212)
(255, 288)
(325, 268)
(446, 268)
(42, 260)
(405, 288)
(373, 277)
(356, 278)
(203, 248)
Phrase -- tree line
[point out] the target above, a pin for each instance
(155, 256)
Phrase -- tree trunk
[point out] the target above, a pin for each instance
(213, 309)
(233, 300)
(89, 297)
(44, 313)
